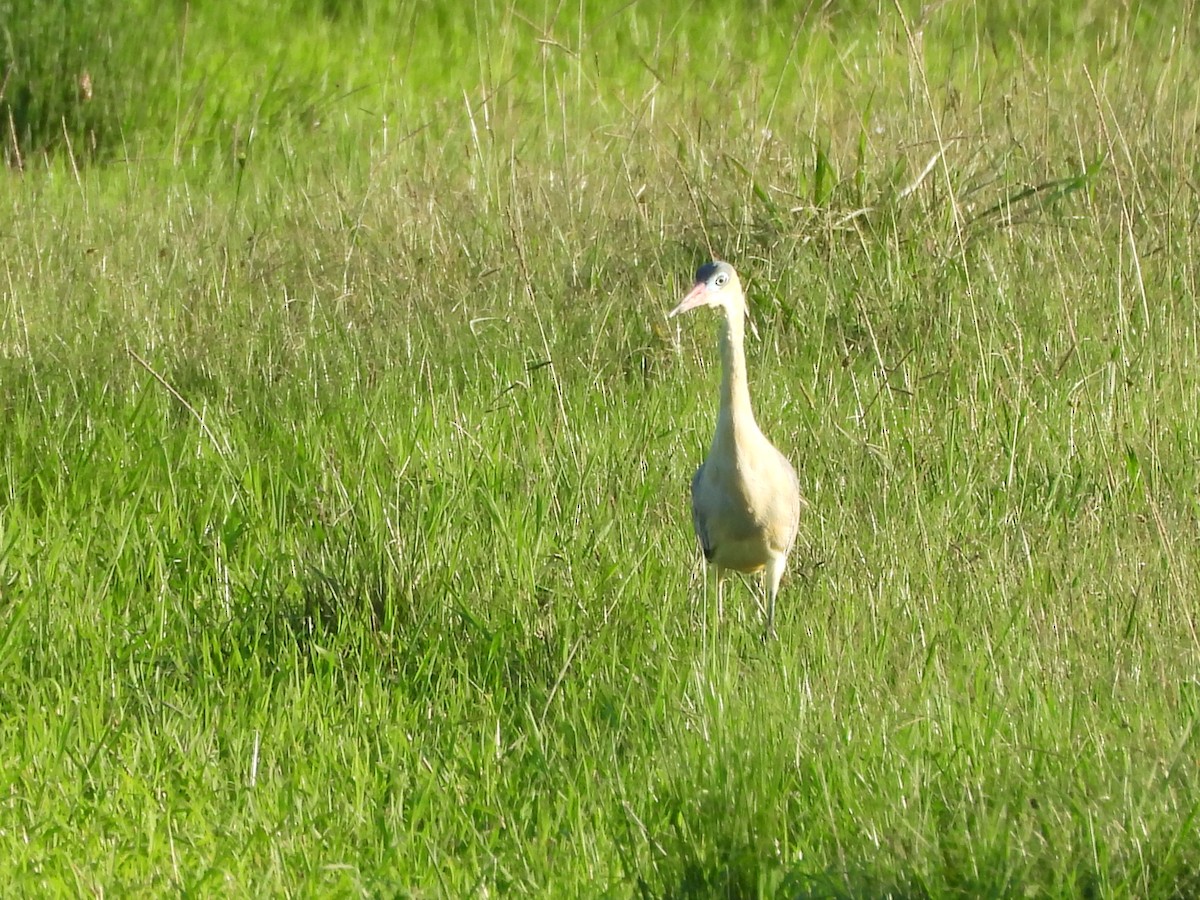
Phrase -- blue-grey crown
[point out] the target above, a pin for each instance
(708, 270)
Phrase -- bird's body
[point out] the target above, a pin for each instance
(745, 495)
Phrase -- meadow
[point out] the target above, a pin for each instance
(345, 544)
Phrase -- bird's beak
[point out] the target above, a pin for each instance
(694, 298)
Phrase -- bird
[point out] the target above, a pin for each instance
(745, 496)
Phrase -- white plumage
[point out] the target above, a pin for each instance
(745, 495)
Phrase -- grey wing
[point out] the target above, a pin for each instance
(698, 519)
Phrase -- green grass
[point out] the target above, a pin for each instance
(344, 533)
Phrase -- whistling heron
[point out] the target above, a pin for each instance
(745, 495)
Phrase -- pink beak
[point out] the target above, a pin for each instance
(694, 298)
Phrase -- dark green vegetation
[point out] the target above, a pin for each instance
(344, 450)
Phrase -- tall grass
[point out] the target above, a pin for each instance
(344, 451)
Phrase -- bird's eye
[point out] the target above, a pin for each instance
(720, 280)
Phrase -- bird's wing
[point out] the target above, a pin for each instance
(793, 501)
(698, 518)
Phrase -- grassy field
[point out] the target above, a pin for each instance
(345, 545)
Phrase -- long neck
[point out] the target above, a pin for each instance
(735, 391)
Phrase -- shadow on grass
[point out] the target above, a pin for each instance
(746, 876)
(367, 621)
(750, 878)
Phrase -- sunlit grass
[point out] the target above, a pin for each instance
(345, 544)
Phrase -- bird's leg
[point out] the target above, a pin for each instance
(771, 578)
(715, 574)
(720, 596)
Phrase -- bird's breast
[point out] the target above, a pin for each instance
(746, 504)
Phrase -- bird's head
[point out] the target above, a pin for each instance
(716, 285)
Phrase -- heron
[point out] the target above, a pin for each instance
(745, 495)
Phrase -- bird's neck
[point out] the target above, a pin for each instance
(735, 391)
